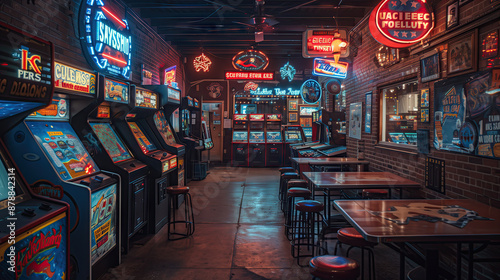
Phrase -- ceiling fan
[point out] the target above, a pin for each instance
(260, 22)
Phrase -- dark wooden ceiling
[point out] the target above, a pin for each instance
(225, 27)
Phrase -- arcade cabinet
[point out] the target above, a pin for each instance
(338, 136)
(293, 135)
(240, 140)
(96, 121)
(256, 140)
(38, 226)
(189, 134)
(47, 148)
(138, 136)
(274, 141)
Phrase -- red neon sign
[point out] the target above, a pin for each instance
(261, 76)
(115, 18)
(399, 24)
(114, 58)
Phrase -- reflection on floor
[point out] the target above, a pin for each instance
(239, 235)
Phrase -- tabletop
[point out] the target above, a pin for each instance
(374, 219)
(329, 161)
(355, 180)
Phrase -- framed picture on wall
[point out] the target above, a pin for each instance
(429, 67)
(292, 117)
(368, 112)
(293, 105)
(462, 55)
(355, 120)
(452, 15)
(424, 98)
(489, 45)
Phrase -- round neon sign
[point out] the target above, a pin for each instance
(401, 23)
(250, 60)
(311, 91)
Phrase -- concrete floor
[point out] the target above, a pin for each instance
(239, 235)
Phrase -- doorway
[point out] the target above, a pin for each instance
(212, 113)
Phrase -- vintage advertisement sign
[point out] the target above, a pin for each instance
(72, 79)
(402, 23)
(250, 60)
(169, 75)
(318, 42)
(106, 38)
(26, 70)
(328, 68)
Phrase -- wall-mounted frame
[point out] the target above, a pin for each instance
(368, 112)
(489, 45)
(293, 117)
(424, 98)
(462, 55)
(429, 67)
(355, 120)
(452, 15)
(293, 105)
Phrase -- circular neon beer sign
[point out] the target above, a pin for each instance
(401, 23)
(250, 60)
(310, 91)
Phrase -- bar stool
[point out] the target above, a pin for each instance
(353, 238)
(333, 267)
(173, 192)
(284, 182)
(375, 193)
(307, 224)
(292, 194)
(292, 183)
(284, 170)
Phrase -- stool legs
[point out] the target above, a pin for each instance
(371, 260)
(189, 225)
(305, 226)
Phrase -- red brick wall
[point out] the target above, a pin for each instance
(57, 21)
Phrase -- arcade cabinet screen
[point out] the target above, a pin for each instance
(145, 99)
(412, 138)
(66, 153)
(258, 117)
(240, 117)
(308, 132)
(113, 145)
(164, 128)
(142, 140)
(399, 138)
(58, 109)
(9, 108)
(240, 136)
(116, 91)
(257, 137)
(273, 137)
(274, 117)
(293, 136)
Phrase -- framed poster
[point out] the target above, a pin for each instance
(293, 105)
(452, 15)
(489, 45)
(429, 68)
(424, 115)
(368, 112)
(355, 120)
(424, 98)
(462, 54)
(292, 117)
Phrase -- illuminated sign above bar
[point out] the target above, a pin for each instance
(260, 76)
(318, 42)
(328, 68)
(106, 38)
(72, 79)
(400, 24)
(275, 91)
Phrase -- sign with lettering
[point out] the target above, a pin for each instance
(250, 60)
(275, 91)
(259, 76)
(106, 38)
(115, 91)
(145, 98)
(26, 69)
(328, 68)
(401, 23)
(169, 75)
(72, 79)
(318, 42)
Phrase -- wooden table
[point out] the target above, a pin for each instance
(375, 228)
(329, 161)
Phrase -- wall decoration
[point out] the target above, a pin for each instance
(287, 72)
(400, 24)
(355, 120)
(250, 60)
(106, 38)
(215, 90)
(368, 113)
(489, 45)
(292, 117)
(452, 15)
(258, 76)
(293, 105)
(202, 63)
(310, 91)
(250, 86)
(169, 75)
(429, 68)
(146, 76)
(462, 54)
(424, 115)
(318, 42)
(333, 86)
(424, 98)
(330, 68)
(385, 56)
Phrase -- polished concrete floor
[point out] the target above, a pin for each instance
(239, 235)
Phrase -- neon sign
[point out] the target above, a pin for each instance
(328, 68)
(399, 24)
(169, 75)
(202, 62)
(310, 91)
(287, 72)
(275, 92)
(318, 43)
(261, 76)
(69, 78)
(107, 41)
(250, 60)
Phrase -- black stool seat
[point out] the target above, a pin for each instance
(299, 183)
(177, 190)
(334, 267)
(352, 237)
(299, 192)
(286, 169)
(289, 175)
(309, 206)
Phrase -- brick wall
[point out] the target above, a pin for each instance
(57, 21)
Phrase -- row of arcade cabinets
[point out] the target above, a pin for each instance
(257, 140)
(34, 230)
